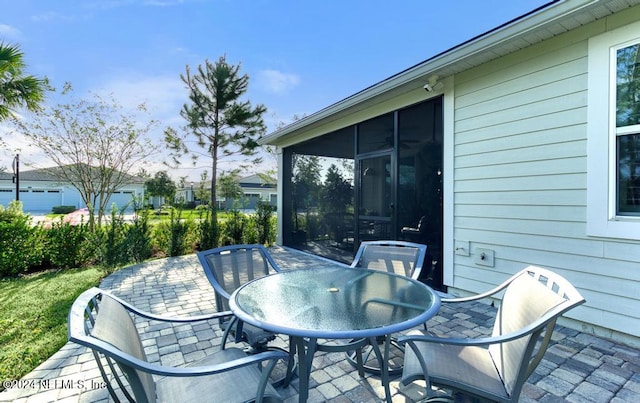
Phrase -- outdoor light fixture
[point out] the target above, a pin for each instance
(432, 84)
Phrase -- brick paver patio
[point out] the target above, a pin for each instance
(578, 367)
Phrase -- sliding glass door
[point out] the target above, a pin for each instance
(374, 197)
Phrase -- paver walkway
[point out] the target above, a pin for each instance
(578, 367)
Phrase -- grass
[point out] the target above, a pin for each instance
(190, 214)
(186, 214)
(33, 316)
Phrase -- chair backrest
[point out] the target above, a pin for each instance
(229, 267)
(399, 257)
(104, 325)
(535, 298)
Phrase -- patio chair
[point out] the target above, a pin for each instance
(229, 267)
(417, 233)
(399, 257)
(102, 322)
(494, 367)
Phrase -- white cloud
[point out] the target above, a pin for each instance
(276, 81)
(15, 143)
(163, 95)
(10, 32)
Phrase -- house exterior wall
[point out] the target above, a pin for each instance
(516, 161)
(520, 179)
(42, 196)
(251, 196)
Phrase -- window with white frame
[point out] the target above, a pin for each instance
(627, 129)
(613, 129)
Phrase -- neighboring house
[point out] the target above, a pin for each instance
(517, 147)
(254, 188)
(184, 195)
(41, 190)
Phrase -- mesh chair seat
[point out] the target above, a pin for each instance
(229, 267)
(235, 382)
(102, 322)
(495, 367)
(471, 367)
(398, 257)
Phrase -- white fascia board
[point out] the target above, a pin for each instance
(546, 15)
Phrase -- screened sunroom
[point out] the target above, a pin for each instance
(377, 179)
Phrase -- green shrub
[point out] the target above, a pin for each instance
(250, 233)
(68, 245)
(265, 223)
(138, 237)
(233, 228)
(63, 209)
(177, 234)
(208, 229)
(160, 236)
(112, 240)
(12, 212)
(175, 237)
(21, 246)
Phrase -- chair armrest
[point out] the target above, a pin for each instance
(93, 292)
(118, 355)
(182, 319)
(480, 341)
(163, 318)
(478, 296)
(465, 299)
(217, 368)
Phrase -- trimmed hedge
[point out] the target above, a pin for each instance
(26, 248)
(63, 209)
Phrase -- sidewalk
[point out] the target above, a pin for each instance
(577, 367)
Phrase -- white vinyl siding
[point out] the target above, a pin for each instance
(520, 179)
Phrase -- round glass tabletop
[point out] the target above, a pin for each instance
(334, 302)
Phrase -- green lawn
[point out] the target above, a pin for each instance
(33, 316)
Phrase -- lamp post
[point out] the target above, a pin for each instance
(16, 175)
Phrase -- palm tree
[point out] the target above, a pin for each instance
(16, 89)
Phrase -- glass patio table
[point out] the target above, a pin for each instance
(334, 302)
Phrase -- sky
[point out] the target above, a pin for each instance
(300, 56)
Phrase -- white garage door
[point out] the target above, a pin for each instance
(6, 196)
(121, 199)
(40, 200)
